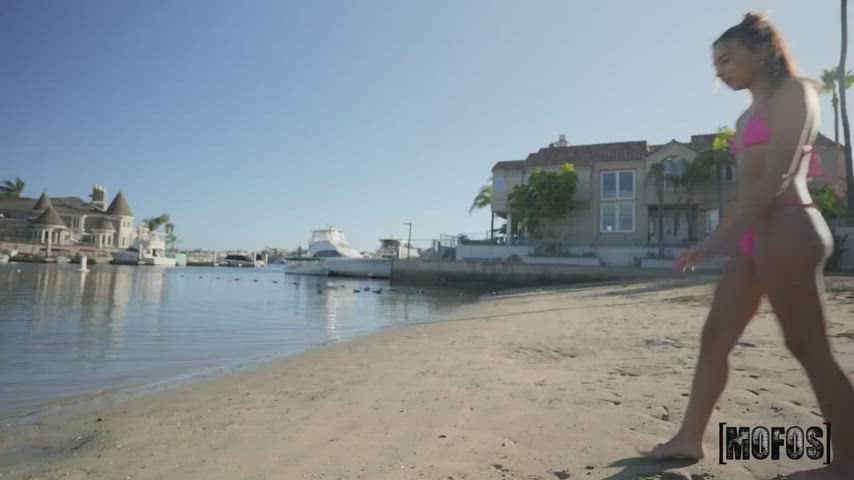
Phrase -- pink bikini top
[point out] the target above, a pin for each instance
(757, 133)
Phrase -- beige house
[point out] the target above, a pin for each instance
(615, 203)
(69, 220)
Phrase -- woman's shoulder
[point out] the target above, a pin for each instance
(798, 87)
(795, 91)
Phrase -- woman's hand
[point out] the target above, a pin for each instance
(697, 254)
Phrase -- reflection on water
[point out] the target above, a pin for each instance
(65, 333)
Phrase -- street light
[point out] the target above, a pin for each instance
(408, 240)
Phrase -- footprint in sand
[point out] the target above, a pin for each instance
(847, 335)
(671, 476)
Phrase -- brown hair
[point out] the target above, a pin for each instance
(755, 32)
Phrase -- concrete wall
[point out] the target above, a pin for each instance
(616, 256)
(497, 252)
(510, 274)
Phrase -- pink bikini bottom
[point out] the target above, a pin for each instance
(748, 239)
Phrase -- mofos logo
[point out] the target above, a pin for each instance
(740, 443)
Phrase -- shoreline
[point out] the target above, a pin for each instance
(76, 404)
(516, 387)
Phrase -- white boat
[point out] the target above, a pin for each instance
(328, 251)
(306, 266)
(395, 248)
(147, 249)
(330, 243)
(241, 259)
(359, 267)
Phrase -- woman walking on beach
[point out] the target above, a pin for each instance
(777, 240)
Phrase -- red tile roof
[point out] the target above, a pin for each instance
(586, 155)
(510, 165)
(579, 155)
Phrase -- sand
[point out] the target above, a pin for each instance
(552, 384)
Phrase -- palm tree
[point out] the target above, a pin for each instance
(12, 189)
(656, 174)
(694, 175)
(846, 131)
(829, 80)
(483, 200)
(155, 222)
(717, 160)
(171, 238)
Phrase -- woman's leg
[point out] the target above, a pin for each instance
(795, 288)
(735, 302)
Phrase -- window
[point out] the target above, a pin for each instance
(617, 217)
(712, 219)
(526, 179)
(499, 184)
(673, 168)
(618, 184)
(729, 173)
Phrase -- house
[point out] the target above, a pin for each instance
(615, 207)
(68, 220)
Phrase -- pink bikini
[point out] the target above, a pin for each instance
(756, 133)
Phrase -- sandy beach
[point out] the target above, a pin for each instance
(552, 384)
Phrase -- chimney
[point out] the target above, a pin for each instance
(99, 197)
(561, 142)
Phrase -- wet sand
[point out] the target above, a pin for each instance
(554, 384)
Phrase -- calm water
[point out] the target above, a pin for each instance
(64, 333)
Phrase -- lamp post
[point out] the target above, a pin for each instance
(409, 239)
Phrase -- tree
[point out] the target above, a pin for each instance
(717, 160)
(829, 80)
(154, 223)
(547, 195)
(171, 238)
(657, 175)
(829, 201)
(483, 200)
(846, 131)
(12, 189)
(694, 175)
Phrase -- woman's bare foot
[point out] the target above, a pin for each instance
(676, 448)
(832, 472)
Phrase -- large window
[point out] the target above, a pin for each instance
(617, 214)
(729, 173)
(712, 219)
(499, 184)
(618, 185)
(673, 168)
(617, 217)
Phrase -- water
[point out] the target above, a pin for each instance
(64, 333)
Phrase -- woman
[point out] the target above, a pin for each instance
(777, 240)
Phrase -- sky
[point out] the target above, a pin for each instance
(252, 123)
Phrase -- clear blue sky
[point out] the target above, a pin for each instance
(251, 123)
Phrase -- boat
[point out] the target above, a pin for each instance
(301, 265)
(331, 243)
(4, 258)
(330, 254)
(359, 267)
(147, 249)
(395, 248)
(327, 246)
(241, 259)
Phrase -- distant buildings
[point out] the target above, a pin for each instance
(68, 220)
